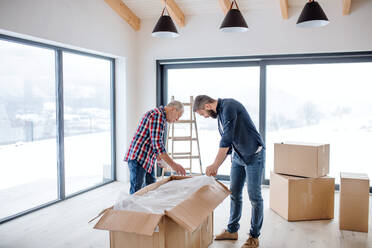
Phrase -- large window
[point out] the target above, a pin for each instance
(28, 159)
(86, 121)
(316, 98)
(242, 83)
(322, 103)
(56, 124)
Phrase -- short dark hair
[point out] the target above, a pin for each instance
(200, 101)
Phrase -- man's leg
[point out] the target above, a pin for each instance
(237, 180)
(150, 177)
(137, 176)
(255, 172)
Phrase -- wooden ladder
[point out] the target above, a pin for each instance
(173, 139)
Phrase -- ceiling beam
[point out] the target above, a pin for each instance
(346, 6)
(175, 12)
(225, 5)
(284, 8)
(122, 10)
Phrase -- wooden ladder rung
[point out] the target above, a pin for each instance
(182, 138)
(169, 168)
(186, 157)
(185, 121)
(180, 153)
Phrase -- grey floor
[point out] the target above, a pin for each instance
(65, 225)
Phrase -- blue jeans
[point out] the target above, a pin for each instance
(252, 172)
(139, 178)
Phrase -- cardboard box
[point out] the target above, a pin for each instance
(354, 202)
(187, 225)
(301, 159)
(298, 198)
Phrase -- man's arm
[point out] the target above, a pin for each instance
(156, 130)
(221, 156)
(177, 167)
(226, 140)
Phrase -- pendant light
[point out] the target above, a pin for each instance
(234, 20)
(312, 15)
(165, 27)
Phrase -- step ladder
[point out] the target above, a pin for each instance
(171, 138)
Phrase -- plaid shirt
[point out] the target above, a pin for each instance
(148, 143)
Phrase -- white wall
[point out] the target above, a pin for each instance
(89, 25)
(269, 34)
(92, 25)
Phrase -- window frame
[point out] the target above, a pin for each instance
(58, 50)
(162, 67)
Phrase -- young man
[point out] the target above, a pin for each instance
(147, 145)
(239, 137)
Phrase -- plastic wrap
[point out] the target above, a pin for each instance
(164, 197)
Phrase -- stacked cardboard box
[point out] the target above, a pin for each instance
(188, 225)
(299, 187)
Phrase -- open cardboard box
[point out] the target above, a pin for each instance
(189, 224)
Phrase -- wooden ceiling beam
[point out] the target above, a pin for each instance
(346, 6)
(284, 8)
(225, 5)
(122, 10)
(175, 12)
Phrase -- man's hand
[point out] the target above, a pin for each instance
(162, 164)
(179, 169)
(221, 155)
(212, 170)
(176, 167)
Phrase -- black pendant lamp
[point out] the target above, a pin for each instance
(165, 27)
(312, 16)
(234, 21)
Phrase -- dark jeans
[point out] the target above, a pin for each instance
(252, 173)
(139, 178)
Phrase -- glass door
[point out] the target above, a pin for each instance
(240, 83)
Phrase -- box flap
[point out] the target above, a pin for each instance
(301, 143)
(294, 178)
(129, 221)
(174, 177)
(350, 175)
(157, 184)
(191, 213)
(152, 186)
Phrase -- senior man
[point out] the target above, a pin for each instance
(147, 145)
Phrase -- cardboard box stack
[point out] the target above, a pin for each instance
(188, 225)
(354, 202)
(299, 186)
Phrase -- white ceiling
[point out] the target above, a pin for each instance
(152, 8)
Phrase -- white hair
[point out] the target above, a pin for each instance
(177, 105)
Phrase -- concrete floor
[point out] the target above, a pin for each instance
(65, 225)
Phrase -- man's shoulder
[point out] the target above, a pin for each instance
(230, 103)
(154, 113)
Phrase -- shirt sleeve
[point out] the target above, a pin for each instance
(156, 134)
(230, 116)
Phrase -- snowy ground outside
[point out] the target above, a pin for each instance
(349, 146)
(28, 171)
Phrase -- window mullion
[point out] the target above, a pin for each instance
(60, 125)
